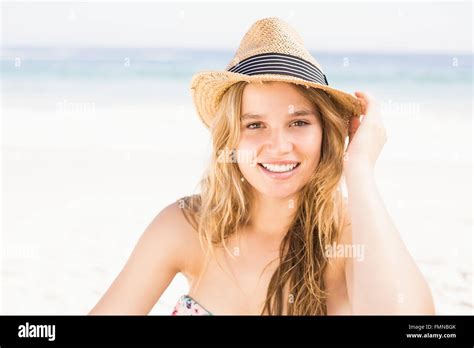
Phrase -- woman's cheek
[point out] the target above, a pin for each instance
(311, 144)
(310, 147)
(249, 143)
(247, 150)
(249, 136)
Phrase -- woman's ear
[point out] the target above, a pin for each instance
(354, 124)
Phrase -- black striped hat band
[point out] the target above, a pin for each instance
(282, 64)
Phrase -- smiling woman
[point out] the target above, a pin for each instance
(289, 200)
(255, 239)
(287, 141)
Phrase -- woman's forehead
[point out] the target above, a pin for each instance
(281, 97)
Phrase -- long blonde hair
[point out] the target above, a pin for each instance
(224, 203)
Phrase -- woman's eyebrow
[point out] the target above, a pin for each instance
(248, 115)
(301, 113)
(297, 113)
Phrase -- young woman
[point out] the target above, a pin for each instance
(270, 232)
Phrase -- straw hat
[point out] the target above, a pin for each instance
(270, 51)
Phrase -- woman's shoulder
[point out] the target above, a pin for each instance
(178, 222)
(164, 249)
(178, 219)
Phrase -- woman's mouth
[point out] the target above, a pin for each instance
(279, 171)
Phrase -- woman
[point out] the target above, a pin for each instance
(269, 232)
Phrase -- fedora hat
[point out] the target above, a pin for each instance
(271, 50)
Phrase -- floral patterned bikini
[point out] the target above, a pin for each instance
(188, 306)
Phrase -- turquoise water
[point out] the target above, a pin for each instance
(112, 64)
(37, 78)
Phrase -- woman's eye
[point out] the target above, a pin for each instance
(257, 125)
(300, 123)
(254, 125)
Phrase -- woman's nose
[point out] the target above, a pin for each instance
(279, 143)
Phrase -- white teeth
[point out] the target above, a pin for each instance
(279, 168)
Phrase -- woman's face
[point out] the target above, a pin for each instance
(282, 134)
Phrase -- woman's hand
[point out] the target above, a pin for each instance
(387, 265)
(366, 136)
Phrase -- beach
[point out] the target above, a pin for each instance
(90, 156)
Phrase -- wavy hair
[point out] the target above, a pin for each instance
(224, 202)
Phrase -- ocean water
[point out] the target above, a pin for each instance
(89, 80)
(96, 141)
(149, 75)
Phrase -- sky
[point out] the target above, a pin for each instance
(441, 27)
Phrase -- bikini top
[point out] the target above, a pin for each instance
(186, 305)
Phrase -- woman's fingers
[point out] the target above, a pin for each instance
(373, 115)
(363, 99)
(371, 106)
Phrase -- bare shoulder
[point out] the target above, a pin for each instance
(171, 219)
(173, 227)
(164, 249)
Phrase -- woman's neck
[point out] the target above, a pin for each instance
(270, 218)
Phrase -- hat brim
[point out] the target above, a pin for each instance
(208, 87)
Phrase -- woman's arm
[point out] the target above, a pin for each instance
(385, 280)
(151, 267)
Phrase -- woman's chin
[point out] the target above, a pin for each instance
(276, 192)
